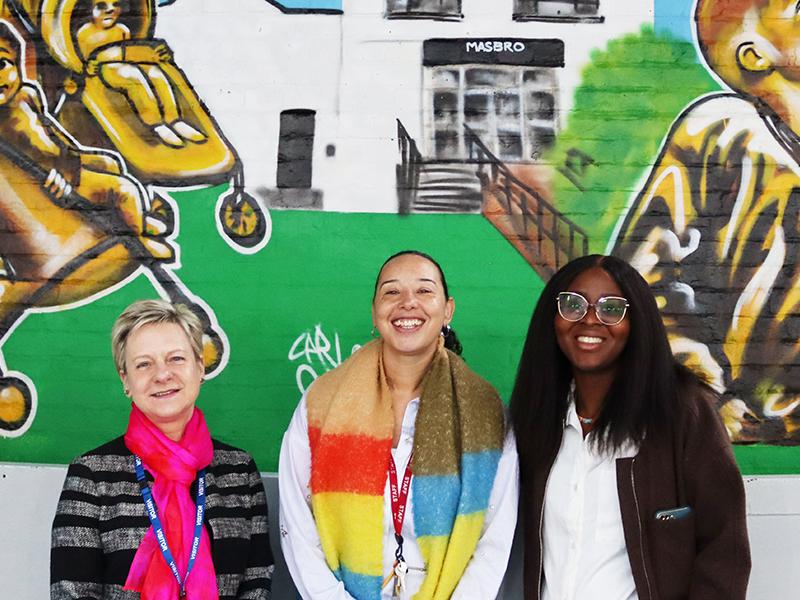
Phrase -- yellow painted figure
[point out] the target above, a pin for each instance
(133, 69)
(118, 87)
(73, 224)
(716, 228)
(29, 132)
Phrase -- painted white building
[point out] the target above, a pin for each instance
(361, 70)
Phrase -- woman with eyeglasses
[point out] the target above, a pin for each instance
(629, 487)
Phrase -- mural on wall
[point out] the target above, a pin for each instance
(716, 227)
(713, 227)
(492, 96)
(494, 143)
(79, 215)
(115, 86)
(514, 139)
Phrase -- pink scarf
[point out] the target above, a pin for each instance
(174, 466)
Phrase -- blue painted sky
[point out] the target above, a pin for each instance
(310, 5)
(675, 16)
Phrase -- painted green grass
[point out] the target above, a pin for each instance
(318, 268)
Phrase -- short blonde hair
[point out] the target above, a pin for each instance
(150, 312)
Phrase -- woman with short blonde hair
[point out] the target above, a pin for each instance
(165, 511)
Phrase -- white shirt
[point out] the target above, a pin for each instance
(584, 557)
(301, 545)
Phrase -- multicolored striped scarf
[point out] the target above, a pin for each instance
(458, 441)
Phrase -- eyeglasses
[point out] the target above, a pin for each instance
(610, 310)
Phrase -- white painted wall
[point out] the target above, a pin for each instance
(29, 494)
(359, 71)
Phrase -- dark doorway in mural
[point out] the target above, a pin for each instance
(294, 173)
(570, 11)
(295, 148)
(444, 10)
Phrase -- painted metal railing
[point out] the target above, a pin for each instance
(544, 236)
(408, 170)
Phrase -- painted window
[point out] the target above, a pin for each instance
(430, 9)
(557, 10)
(512, 109)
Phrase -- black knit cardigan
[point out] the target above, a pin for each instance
(101, 520)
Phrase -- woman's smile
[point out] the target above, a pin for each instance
(407, 324)
(589, 342)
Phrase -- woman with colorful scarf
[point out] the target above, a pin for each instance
(165, 511)
(398, 477)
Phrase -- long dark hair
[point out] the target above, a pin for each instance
(451, 341)
(644, 395)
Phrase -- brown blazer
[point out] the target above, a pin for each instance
(703, 556)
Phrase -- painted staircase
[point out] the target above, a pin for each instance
(447, 188)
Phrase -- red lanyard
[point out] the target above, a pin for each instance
(399, 498)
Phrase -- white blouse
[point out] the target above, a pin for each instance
(585, 557)
(300, 540)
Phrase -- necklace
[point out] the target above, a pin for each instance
(585, 420)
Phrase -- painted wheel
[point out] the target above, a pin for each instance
(15, 403)
(242, 219)
(212, 350)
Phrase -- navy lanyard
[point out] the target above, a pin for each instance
(152, 513)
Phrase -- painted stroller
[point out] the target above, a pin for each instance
(40, 275)
(65, 251)
(101, 116)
